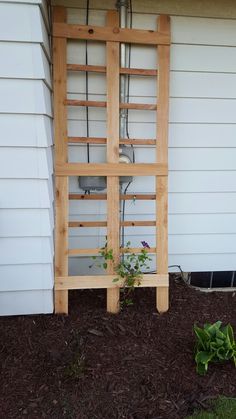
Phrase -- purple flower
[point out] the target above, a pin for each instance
(145, 244)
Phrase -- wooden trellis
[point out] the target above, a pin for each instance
(112, 35)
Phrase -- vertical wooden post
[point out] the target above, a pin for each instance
(162, 293)
(60, 134)
(113, 94)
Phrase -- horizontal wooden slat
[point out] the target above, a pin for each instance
(96, 251)
(139, 106)
(89, 103)
(138, 141)
(106, 281)
(103, 197)
(102, 69)
(98, 33)
(87, 223)
(87, 140)
(90, 68)
(138, 71)
(102, 104)
(111, 169)
(98, 140)
(104, 223)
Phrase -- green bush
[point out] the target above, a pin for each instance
(129, 269)
(221, 408)
(215, 343)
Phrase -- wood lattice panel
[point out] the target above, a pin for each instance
(112, 35)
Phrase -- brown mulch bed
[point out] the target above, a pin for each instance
(92, 365)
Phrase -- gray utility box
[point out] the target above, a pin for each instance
(99, 183)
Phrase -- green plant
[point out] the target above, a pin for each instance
(221, 408)
(76, 362)
(76, 368)
(215, 343)
(129, 269)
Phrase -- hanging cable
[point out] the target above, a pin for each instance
(86, 90)
(128, 79)
(123, 216)
(127, 134)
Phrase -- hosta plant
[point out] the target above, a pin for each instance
(214, 343)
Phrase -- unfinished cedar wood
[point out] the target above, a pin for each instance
(95, 251)
(104, 223)
(101, 104)
(105, 281)
(103, 197)
(113, 135)
(111, 169)
(61, 183)
(112, 35)
(162, 158)
(96, 140)
(102, 69)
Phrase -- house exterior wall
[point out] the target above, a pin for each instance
(202, 135)
(202, 131)
(26, 168)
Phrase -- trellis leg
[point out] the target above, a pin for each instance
(60, 127)
(113, 221)
(162, 293)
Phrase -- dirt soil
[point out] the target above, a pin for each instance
(92, 365)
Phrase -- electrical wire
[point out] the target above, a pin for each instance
(123, 217)
(128, 80)
(127, 134)
(86, 89)
(177, 266)
(170, 266)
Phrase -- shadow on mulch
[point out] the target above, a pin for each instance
(92, 365)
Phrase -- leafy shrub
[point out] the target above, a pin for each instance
(129, 269)
(215, 343)
(221, 408)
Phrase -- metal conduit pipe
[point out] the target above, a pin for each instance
(122, 7)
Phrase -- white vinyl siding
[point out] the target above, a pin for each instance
(26, 167)
(202, 134)
(202, 141)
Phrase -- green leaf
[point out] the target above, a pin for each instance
(115, 280)
(219, 342)
(211, 329)
(128, 302)
(203, 357)
(201, 369)
(221, 334)
(214, 343)
(202, 336)
(221, 353)
(230, 334)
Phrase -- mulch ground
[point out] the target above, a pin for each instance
(92, 365)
